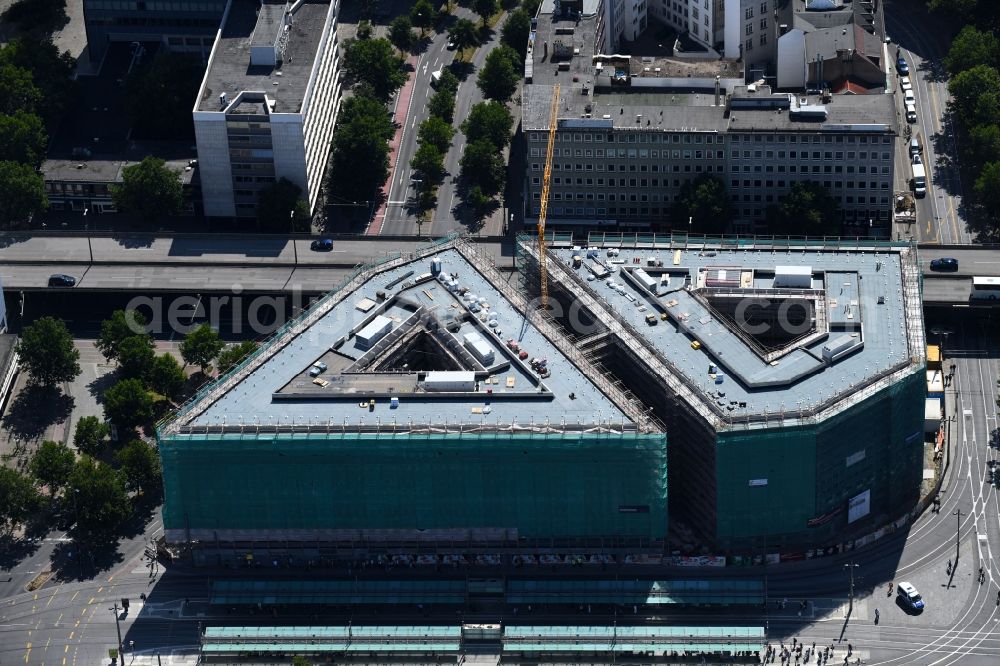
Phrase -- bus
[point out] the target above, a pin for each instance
(986, 287)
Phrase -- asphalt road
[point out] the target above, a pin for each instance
(940, 217)
(398, 220)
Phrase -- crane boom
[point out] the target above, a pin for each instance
(546, 181)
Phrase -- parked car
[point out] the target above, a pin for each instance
(62, 280)
(915, 146)
(321, 245)
(317, 369)
(451, 44)
(904, 82)
(908, 97)
(944, 264)
(901, 66)
(909, 596)
(916, 159)
(911, 113)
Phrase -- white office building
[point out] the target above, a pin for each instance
(267, 104)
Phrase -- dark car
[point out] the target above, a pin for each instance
(321, 245)
(61, 280)
(451, 44)
(901, 66)
(944, 264)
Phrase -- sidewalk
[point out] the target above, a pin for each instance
(402, 112)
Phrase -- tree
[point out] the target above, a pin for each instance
(984, 145)
(428, 161)
(970, 48)
(47, 352)
(149, 189)
(22, 138)
(22, 192)
(172, 79)
(128, 404)
(531, 7)
(705, 202)
(807, 210)
(360, 149)
(91, 435)
(976, 94)
(490, 121)
(19, 499)
(987, 189)
(51, 72)
(485, 8)
(99, 500)
(442, 105)
(373, 61)
(448, 81)
(463, 33)
(479, 201)
(17, 91)
(201, 346)
(422, 15)
(51, 464)
(166, 376)
(499, 76)
(121, 325)
(233, 354)
(401, 33)
(299, 660)
(135, 357)
(482, 165)
(140, 465)
(436, 132)
(960, 10)
(516, 30)
(281, 208)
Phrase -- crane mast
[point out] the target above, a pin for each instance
(546, 181)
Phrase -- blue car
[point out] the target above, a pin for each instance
(901, 66)
(944, 264)
(321, 245)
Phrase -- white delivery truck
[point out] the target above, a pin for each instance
(919, 180)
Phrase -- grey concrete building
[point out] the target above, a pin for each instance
(267, 104)
(632, 130)
(190, 25)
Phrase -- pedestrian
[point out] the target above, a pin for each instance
(850, 649)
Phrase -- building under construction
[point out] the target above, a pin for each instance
(789, 376)
(428, 401)
(421, 402)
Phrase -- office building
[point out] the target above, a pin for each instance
(633, 129)
(267, 104)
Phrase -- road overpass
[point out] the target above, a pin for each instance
(228, 263)
(195, 263)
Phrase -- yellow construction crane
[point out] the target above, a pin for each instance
(546, 180)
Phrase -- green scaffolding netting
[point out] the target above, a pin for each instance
(543, 485)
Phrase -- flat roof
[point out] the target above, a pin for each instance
(873, 295)
(230, 70)
(276, 388)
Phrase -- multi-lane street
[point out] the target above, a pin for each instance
(399, 218)
(940, 216)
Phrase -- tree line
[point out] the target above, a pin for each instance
(973, 61)
(99, 480)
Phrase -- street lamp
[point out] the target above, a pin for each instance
(118, 627)
(850, 568)
(958, 529)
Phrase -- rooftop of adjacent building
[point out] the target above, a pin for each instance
(832, 25)
(694, 111)
(864, 301)
(429, 321)
(81, 166)
(251, 25)
(563, 51)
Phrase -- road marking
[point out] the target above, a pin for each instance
(88, 603)
(75, 595)
(58, 619)
(28, 653)
(66, 651)
(71, 635)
